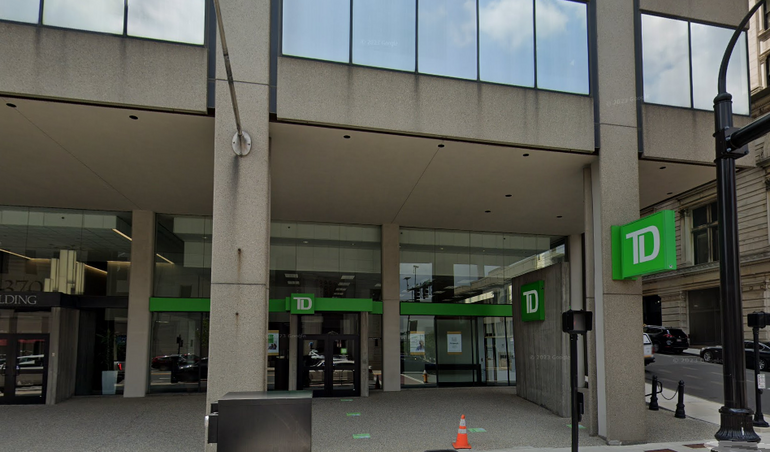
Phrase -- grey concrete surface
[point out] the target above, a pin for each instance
(410, 420)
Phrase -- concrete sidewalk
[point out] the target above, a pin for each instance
(411, 420)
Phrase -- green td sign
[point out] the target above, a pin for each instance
(302, 303)
(532, 307)
(645, 246)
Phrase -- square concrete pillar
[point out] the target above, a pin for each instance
(391, 313)
(140, 286)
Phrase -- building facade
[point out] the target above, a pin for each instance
(408, 171)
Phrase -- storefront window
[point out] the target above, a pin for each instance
(183, 257)
(69, 251)
(468, 267)
(278, 337)
(375, 351)
(24, 322)
(327, 260)
(418, 351)
(101, 351)
(179, 352)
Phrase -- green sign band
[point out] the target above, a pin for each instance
(457, 309)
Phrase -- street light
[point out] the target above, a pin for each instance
(735, 417)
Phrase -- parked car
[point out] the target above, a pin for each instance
(168, 362)
(648, 353)
(714, 354)
(667, 339)
(190, 371)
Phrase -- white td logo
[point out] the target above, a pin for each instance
(304, 303)
(532, 301)
(637, 238)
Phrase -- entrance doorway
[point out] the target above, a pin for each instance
(330, 365)
(23, 368)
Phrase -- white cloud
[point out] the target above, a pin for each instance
(507, 22)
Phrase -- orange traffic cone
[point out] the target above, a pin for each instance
(462, 436)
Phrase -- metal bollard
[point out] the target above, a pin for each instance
(654, 397)
(680, 403)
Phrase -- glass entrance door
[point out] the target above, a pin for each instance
(23, 368)
(329, 365)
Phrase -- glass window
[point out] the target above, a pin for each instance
(183, 256)
(562, 45)
(507, 42)
(179, 351)
(278, 351)
(20, 10)
(447, 38)
(317, 29)
(168, 20)
(705, 237)
(708, 47)
(104, 16)
(383, 33)
(69, 251)
(665, 57)
(328, 260)
(418, 351)
(24, 322)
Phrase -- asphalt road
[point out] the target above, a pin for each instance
(701, 379)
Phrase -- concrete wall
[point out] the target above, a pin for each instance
(94, 67)
(62, 357)
(350, 96)
(391, 306)
(727, 12)
(542, 349)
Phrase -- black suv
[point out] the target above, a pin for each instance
(665, 339)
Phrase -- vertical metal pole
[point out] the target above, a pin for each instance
(759, 419)
(573, 374)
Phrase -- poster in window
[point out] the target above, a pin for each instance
(454, 342)
(272, 342)
(417, 342)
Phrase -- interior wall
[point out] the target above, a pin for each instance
(542, 349)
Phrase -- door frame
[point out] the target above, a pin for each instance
(9, 396)
(328, 390)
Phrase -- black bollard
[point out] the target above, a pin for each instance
(654, 397)
(679, 414)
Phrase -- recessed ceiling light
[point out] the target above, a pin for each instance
(11, 105)
(670, 193)
(293, 283)
(347, 137)
(558, 216)
(343, 284)
(134, 117)
(487, 211)
(441, 145)
(348, 276)
(525, 155)
(662, 167)
(508, 196)
(304, 241)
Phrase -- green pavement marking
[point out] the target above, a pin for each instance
(354, 414)
(361, 436)
(346, 400)
(579, 426)
(476, 430)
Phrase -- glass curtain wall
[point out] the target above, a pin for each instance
(101, 358)
(183, 256)
(179, 352)
(75, 252)
(485, 40)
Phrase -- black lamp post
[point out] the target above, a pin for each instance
(735, 416)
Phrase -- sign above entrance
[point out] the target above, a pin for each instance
(645, 246)
(302, 303)
(532, 301)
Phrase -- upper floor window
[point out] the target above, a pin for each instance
(166, 20)
(681, 61)
(705, 240)
(532, 43)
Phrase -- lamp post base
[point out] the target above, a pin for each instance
(736, 426)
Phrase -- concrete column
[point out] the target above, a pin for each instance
(241, 220)
(364, 341)
(576, 301)
(293, 344)
(391, 315)
(615, 199)
(139, 292)
(592, 414)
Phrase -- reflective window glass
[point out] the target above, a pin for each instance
(708, 47)
(168, 20)
(183, 256)
(179, 352)
(317, 29)
(418, 351)
(104, 16)
(507, 42)
(20, 10)
(562, 45)
(666, 61)
(384, 33)
(447, 38)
